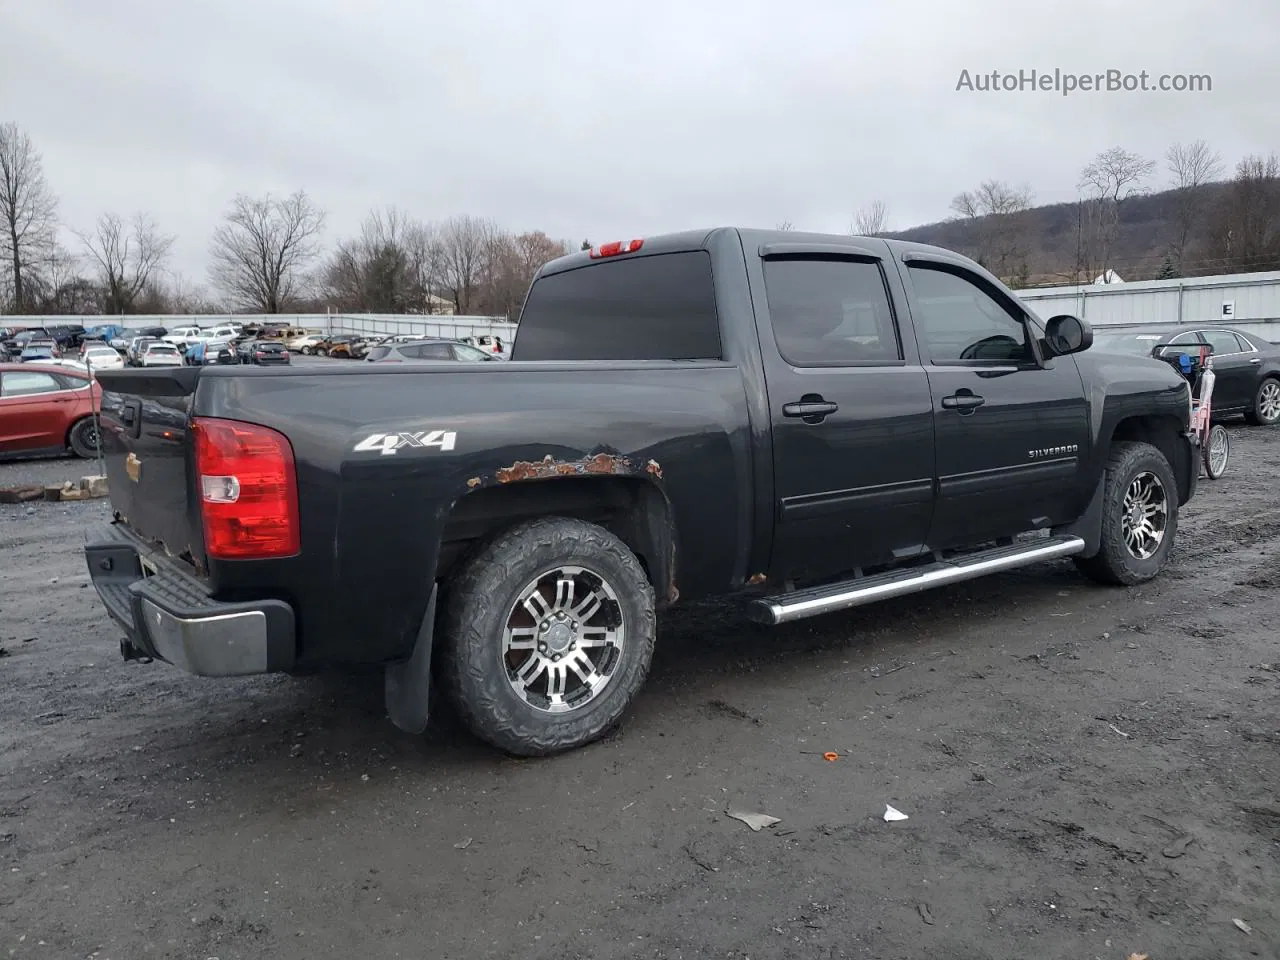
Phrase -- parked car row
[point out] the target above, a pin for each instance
(397, 348)
(64, 336)
(52, 343)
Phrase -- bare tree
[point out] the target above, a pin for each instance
(28, 209)
(1244, 232)
(999, 228)
(56, 286)
(870, 221)
(393, 266)
(1116, 174)
(785, 225)
(426, 264)
(125, 257)
(1090, 226)
(512, 263)
(993, 198)
(465, 244)
(1112, 177)
(1191, 166)
(261, 251)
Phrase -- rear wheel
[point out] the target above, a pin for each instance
(1139, 517)
(548, 634)
(83, 438)
(306, 351)
(1266, 404)
(1217, 452)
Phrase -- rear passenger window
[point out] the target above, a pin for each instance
(830, 312)
(1222, 341)
(659, 307)
(430, 351)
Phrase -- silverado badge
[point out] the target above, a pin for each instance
(133, 467)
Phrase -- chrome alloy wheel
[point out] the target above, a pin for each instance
(1146, 515)
(1269, 402)
(560, 654)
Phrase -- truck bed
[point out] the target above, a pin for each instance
(376, 519)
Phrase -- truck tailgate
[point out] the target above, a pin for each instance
(145, 417)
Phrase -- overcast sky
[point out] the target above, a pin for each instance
(610, 118)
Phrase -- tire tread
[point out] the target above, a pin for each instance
(471, 605)
(1112, 565)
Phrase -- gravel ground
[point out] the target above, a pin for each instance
(1087, 772)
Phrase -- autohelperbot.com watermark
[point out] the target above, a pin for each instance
(1065, 83)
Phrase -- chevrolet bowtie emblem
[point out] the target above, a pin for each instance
(133, 467)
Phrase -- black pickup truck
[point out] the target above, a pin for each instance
(814, 422)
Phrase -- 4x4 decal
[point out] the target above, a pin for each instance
(389, 443)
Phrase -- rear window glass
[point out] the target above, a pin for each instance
(660, 307)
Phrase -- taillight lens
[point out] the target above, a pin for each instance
(248, 490)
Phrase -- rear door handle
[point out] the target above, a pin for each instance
(962, 401)
(1256, 360)
(815, 408)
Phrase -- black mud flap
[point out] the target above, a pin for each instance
(408, 683)
(1088, 526)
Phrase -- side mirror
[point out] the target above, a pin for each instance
(1065, 334)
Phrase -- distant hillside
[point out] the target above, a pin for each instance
(1055, 240)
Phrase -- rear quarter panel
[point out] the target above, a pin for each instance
(372, 521)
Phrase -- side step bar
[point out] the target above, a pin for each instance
(799, 604)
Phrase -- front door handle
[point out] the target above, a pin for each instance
(1256, 360)
(811, 408)
(964, 402)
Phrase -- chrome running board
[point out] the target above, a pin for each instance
(813, 601)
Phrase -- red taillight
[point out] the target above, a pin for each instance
(615, 248)
(248, 490)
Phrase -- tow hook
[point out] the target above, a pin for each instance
(131, 653)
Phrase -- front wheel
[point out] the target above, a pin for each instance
(1139, 517)
(306, 351)
(84, 439)
(1217, 452)
(548, 633)
(1266, 404)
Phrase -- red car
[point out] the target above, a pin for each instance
(47, 407)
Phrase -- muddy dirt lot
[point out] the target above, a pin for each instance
(1087, 773)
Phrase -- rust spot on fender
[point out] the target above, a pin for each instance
(756, 578)
(474, 482)
(601, 464)
(654, 468)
